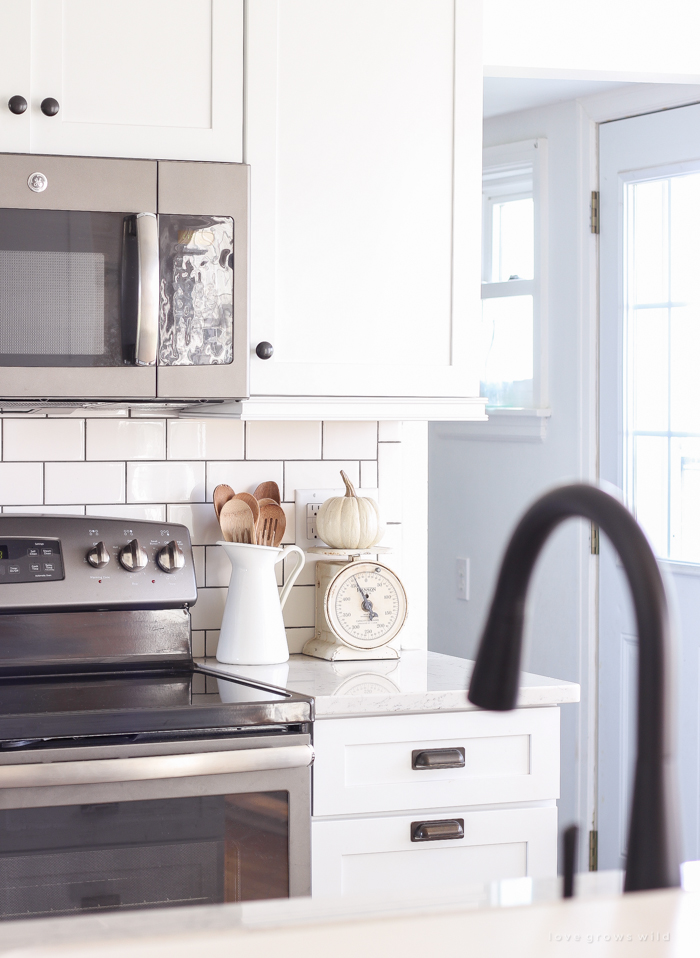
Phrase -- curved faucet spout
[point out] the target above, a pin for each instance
(653, 847)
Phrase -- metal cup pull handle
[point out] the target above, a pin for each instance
(423, 758)
(441, 831)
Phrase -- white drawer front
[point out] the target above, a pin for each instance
(366, 764)
(376, 855)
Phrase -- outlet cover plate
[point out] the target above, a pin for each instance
(304, 497)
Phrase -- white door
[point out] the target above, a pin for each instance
(363, 132)
(139, 78)
(650, 432)
(15, 19)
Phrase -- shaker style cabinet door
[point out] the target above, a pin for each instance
(138, 78)
(363, 133)
(15, 20)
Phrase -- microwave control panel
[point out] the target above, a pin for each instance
(30, 560)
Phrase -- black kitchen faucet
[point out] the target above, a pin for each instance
(653, 846)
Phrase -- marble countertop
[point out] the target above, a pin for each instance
(467, 921)
(417, 682)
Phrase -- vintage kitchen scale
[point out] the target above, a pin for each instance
(361, 606)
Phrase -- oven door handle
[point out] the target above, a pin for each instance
(149, 767)
(148, 287)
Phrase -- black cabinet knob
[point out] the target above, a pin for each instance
(264, 350)
(49, 106)
(17, 105)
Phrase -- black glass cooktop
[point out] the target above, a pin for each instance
(143, 702)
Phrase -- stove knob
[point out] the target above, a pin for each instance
(98, 556)
(133, 557)
(171, 557)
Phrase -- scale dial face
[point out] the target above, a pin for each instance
(366, 605)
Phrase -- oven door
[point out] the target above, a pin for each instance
(143, 826)
(78, 278)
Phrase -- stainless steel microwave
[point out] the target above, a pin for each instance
(123, 279)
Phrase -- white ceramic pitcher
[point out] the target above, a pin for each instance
(252, 629)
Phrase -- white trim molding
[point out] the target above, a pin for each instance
(351, 408)
(504, 425)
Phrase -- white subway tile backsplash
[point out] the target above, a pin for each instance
(206, 439)
(199, 518)
(218, 567)
(60, 510)
(164, 469)
(390, 431)
(317, 475)
(149, 513)
(298, 611)
(208, 609)
(41, 439)
(368, 474)
(21, 482)
(198, 644)
(242, 476)
(283, 440)
(125, 439)
(349, 440)
(199, 566)
(212, 641)
(84, 482)
(297, 638)
(390, 481)
(165, 481)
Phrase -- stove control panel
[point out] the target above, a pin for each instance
(83, 562)
(29, 560)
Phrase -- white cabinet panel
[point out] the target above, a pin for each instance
(365, 764)
(162, 78)
(376, 855)
(15, 19)
(363, 131)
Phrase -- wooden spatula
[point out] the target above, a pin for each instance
(252, 502)
(268, 490)
(271, 524)
(236, 521)
(222, 494)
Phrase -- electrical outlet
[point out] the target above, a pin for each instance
(307, 504)
(463, 579)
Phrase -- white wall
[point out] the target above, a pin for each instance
(478, 489)
(604, 39)
(158, 467)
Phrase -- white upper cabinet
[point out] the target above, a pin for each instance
(136, 78)
(363, 132)
(15, 18)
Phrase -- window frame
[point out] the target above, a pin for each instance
(517, 166)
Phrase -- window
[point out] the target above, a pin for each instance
(662, 353)
(512, 368)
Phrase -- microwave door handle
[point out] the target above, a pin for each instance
(147, 309)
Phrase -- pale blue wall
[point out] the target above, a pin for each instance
(478, 490)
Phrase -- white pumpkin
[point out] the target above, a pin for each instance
(349, 521)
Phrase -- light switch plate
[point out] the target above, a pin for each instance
(306, 501)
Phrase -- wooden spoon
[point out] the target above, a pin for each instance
(268, 490)
(237, 522)
(271, 524)
(252, 502)
(222, 494)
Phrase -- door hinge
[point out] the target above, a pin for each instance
(595, 540)
(593, 851)
(595, 212)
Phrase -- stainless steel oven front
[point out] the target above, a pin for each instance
(123, 279)
(148, 825)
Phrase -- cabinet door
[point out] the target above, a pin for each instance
(15, 19)
(159, 79)
(363, 132)
(375, 856)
